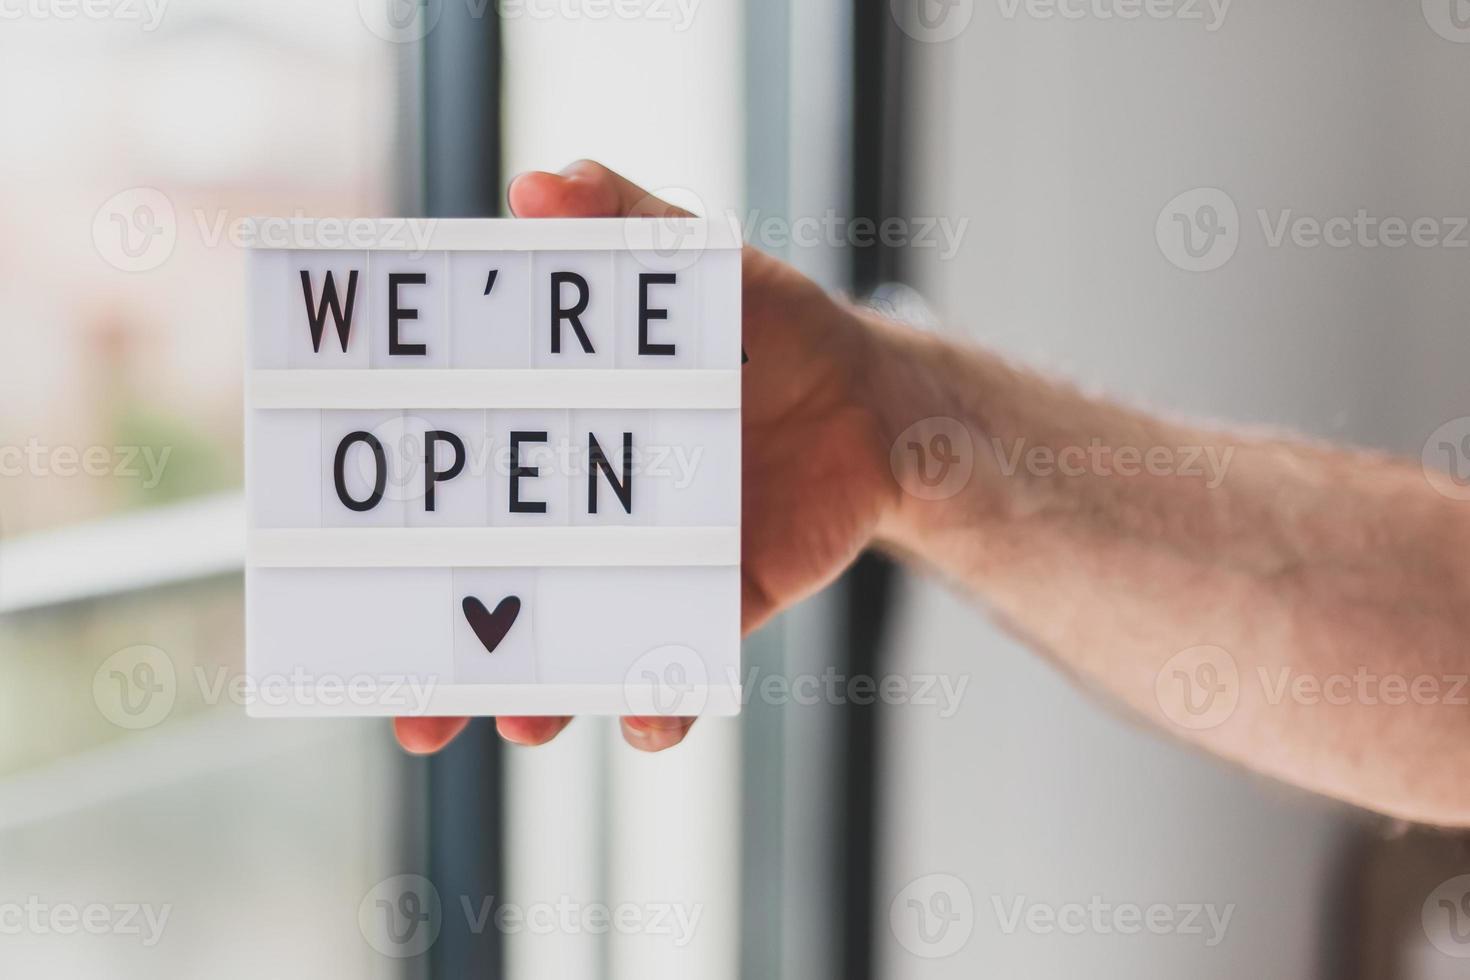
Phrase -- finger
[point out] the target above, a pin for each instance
(530, 731)
(584, 190)
(424, 736)
(655, 733)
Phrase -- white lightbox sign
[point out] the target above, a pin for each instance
(493, 467)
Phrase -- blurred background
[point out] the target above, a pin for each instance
(1030, 158)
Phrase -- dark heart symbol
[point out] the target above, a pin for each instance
(491, 627)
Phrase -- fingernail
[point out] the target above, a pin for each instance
(651, 739)
(656, 723)
(637, 737)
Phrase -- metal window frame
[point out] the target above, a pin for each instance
(461, 170)
(870, 586)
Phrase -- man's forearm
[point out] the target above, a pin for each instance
(1298, 609)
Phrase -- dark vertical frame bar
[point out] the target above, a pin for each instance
(763, 730)
(763, 905)
(462, 115)
(462, 179)
(871, 583)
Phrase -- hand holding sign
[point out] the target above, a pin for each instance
(815, 471)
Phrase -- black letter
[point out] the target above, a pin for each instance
(646, 279)
(395, 279)
(329, 298)
(574, 314)
(433, 476)
(517, 505)
(598, 461)
(380, 479)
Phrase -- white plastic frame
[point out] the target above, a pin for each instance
(664, 674)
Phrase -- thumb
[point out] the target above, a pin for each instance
(584, 189)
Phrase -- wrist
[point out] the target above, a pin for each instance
(930, 448)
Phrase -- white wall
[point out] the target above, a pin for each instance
(1061, 141)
